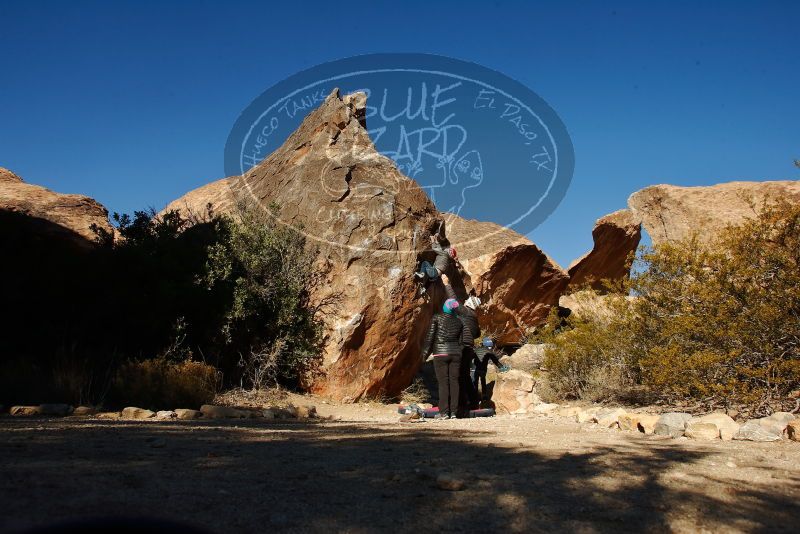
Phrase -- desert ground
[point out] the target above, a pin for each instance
(358, 469)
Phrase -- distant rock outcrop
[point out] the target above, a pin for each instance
(671, 213)
(515, 279)
(615, 237)
(60, 215)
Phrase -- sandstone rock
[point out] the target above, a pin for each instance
(568, 411)
(8, 176)
(186, 414)
(760, 430)
(615, 237)
(59, 410)
(793, 430)
(165, 415)
(629, 421)
(369, 223)
(671, 213)
(132, 412)
(725, 424)
(781, 419)
(517, 282)
(84, 411)
(284, 413)
(545, 408)
(647, 423)
(514, 393)
(526, 358)
(21, 411)
(222, 412)
(672, 424)
(591, 306)
(71, 215)
(701, 431)
(449, 483)
(608, 418)
(586, 415)
(109, 415)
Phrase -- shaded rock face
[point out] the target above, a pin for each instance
(369, 223)
(615, 237)
(69, 217)
(515, 279)
(671, 213)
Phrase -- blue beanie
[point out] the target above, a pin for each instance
(488, 343)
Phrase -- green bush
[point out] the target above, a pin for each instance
(716, 325)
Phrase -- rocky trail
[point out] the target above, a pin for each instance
(356, 468)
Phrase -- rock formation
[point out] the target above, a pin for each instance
(517, 282)
(672, 213)
(615, 237)
(58, 215)
(369, 223)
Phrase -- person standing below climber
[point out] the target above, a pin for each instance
(441, 264)
(467, 313)
(445, 341)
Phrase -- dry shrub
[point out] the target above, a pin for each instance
(716, 325)
(416, 393)
(159, 384)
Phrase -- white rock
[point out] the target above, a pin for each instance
(222, 412)
(760, 430)
(672, 424)
(166, 415)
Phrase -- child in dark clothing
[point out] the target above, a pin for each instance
(483, 355)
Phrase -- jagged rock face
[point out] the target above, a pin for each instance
(671, 213)
(615, 237)
(8, 176)
(517, 282)
(65, 216)
(218, 196)
(369, 223)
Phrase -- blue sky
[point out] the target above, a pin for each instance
(131, 103)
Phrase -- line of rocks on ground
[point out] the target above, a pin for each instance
(207, 411)
(713, 426)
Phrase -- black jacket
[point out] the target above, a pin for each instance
(446, 335)
(467, 316)
(482, 358)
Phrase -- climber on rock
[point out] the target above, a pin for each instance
(444, 258)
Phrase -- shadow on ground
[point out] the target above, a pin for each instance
(252, 476)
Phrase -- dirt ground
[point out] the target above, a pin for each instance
(363, 471)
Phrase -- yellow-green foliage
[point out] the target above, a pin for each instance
(159, 384)
(717, 324)
(591, 357)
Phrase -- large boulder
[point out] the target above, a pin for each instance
(368, 221)
(515, 393)
(517, 282)
(615, 237)
(526, 358)
(63, 216)
(726, 426)
(671, 213)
